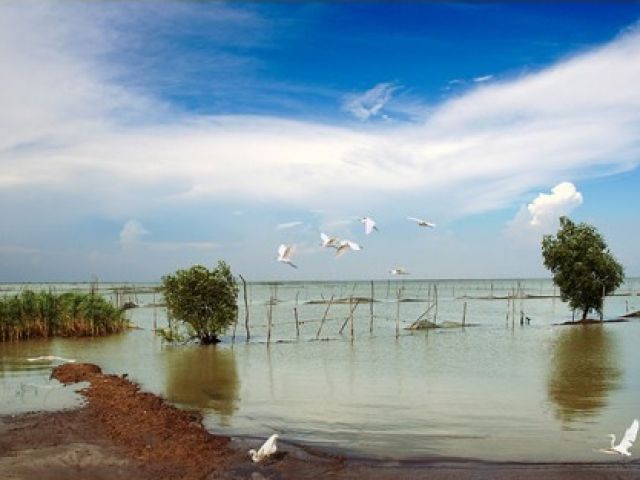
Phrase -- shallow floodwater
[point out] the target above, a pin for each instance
(494, 390)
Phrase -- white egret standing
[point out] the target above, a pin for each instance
(266, 450)
(347, 245)
(369, 225)
(285, 252)
(421, 223)
(626, 443)
(328, 241)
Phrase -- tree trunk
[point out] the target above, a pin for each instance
(584, 314)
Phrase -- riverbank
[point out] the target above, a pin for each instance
(123, 433)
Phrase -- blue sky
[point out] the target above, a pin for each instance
(141, 137)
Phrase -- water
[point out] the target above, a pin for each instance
(495, 390)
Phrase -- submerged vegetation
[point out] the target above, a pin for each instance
(32, 314)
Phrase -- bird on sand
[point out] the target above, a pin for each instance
(50, 358)
(399, 271)
(346, 245)
(369, 225)
(328, 241)
(421, 223)
(285, 252)
(268, 449)
(626, 443)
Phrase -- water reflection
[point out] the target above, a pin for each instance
(203, 377)
(583, 371)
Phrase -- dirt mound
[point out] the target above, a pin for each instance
(151, 430)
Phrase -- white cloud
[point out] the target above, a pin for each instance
(549, 207)
(71, 136)
(287, 225)
(132, 232)
(483, 78)
(542, 214)
(370, 103)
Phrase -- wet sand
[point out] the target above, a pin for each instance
(123, 433)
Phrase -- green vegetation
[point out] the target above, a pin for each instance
(583, 268)
(47, 314)
(202, 299)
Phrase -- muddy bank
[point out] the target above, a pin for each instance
(123, 433)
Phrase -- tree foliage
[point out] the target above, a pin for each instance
(583, 268)
(203, 299)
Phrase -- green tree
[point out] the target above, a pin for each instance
(203, 299)
(583, 268)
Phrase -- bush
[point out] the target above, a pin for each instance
(583, 268)
(203, 299)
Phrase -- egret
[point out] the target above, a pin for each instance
(369, 225)
(399, 271)
(625, 444)
(266, 450)
(285, 252)
(347, 245)
(328, 241)
(50, 358)
(421, 223)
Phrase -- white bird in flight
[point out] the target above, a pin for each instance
(266, 450)
(50, 358)
(399, 271)
(328, 241)
(369, 225)
(285, 252)
(421, 223)
(625, 444)
(347, 245)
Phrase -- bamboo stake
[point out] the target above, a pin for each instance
(435, 294)
(269, 316)
(371, 310)
(295, 314)
(349, 316)
(246, 307)
(398, 295)
(464, 314)
(324, 317)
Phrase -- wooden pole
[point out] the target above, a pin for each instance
(295, 314)
(464, 314)
(246, 307)
(346, 320)
(435, 295)
(371, 310)
(155, 314)
(324, 317)
(351, 317)
(398, 295)
(269, 316)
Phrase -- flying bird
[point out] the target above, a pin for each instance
(285, 252)
(267, 450)
(328, 241)
(399, 271)
(50, 358)
(369, 225)
(421, 223)
(625, 444)
(347, 245)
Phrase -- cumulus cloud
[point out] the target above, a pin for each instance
(370, 103)
(132, 232)
(542, 214)
(483, 78)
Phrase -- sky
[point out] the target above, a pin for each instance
(137, 138)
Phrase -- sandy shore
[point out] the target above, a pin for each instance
(123, 433)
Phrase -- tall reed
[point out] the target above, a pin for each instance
(32, 314)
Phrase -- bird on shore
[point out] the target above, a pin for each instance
(328, 241)
(421, 223)
(347, 245)
(285, 252)
(50, 358)
(369, 225)
(625, 444)
(268, 449)
(399, 271)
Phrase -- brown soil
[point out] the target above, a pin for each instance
(123, 433)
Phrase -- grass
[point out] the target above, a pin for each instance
(32, 314)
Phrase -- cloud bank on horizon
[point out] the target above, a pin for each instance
(75, 140)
